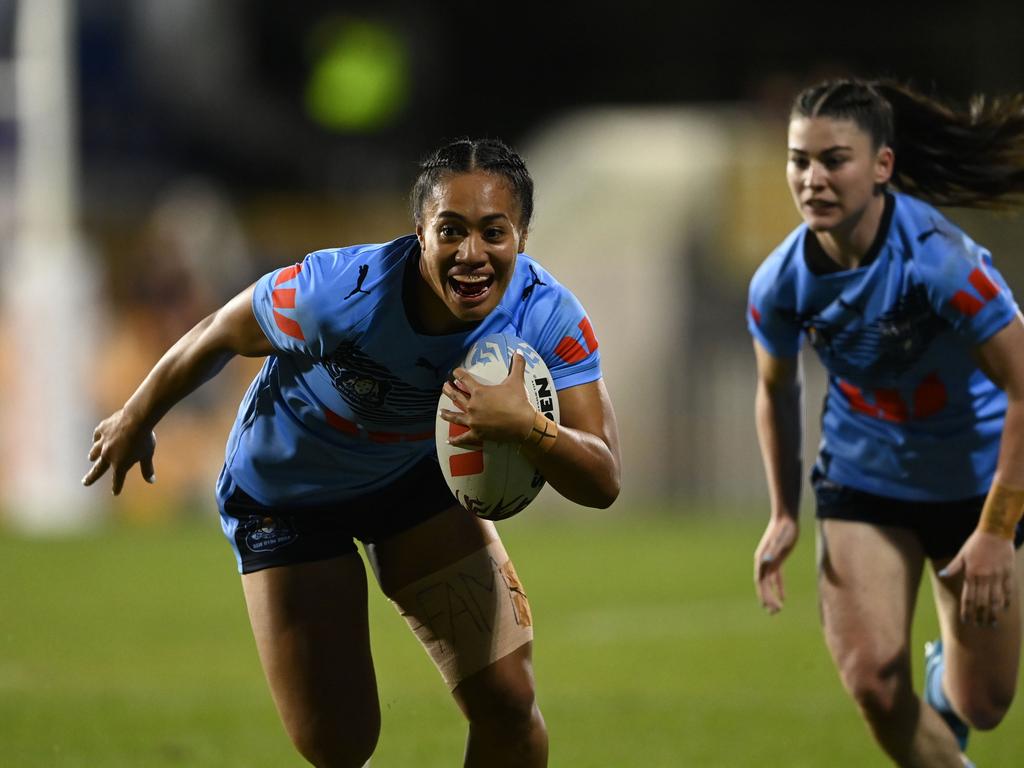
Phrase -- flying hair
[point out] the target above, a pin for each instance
(969, 157)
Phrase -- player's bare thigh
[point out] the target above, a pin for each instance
(455, 584)
(428, 547)
(311, 629)
(868, 580)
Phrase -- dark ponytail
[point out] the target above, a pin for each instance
(972, 158)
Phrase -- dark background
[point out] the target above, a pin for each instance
(478, 68)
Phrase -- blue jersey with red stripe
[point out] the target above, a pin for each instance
(348, 402)
(908, 412)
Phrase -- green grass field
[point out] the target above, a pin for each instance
(130, 647)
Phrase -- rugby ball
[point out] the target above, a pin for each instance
(494, 481)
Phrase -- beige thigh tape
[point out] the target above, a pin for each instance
(469, 614)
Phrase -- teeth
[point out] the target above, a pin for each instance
(469, 278)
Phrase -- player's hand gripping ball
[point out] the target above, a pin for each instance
(494, 480)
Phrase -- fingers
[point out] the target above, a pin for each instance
(95, 471)
(464, 438)
(517, 370)
(147, 469)
(768, 579)
(118, 481)
(982, 612)
(770, 590)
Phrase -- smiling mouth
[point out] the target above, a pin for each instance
(470, 286)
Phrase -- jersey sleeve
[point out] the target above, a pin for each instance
(966, 290)
(770, 321)
(559, 329)
(297, 306)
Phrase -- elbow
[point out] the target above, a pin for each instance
(606, 492)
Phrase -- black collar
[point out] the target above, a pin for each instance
(820, 263)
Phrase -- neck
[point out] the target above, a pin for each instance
(848, 243)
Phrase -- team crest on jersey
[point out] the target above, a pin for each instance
(265, 534)
(375, 393)
(366, 390)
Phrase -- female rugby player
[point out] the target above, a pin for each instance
(334, 441)
(922, 454)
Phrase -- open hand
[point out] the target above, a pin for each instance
(117, 444)
(777, 542)
(986, 562)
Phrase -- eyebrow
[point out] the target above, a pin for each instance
(835, 148)
(454, 215)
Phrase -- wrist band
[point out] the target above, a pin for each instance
(1002, 511)
(543, 433)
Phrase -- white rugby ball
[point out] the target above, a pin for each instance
(495, 481)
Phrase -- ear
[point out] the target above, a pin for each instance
(522, 242)
(419, 236)
(885, 161)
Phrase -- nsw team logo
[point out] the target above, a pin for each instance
(265, 534)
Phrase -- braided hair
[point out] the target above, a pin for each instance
(947, 156)
(467, 155)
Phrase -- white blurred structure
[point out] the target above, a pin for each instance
(656, 219)
(49, 292)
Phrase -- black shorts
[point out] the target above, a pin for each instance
(942, 527)
(265, 537)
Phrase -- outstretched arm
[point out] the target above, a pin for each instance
(778, 406)
(582, 463)
(126, 437)
(986, 558)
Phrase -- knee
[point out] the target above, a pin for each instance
(880, 686)
(336, 744)
(507, 701)
(984, 711)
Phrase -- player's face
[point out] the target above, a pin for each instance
(834, 171)
(469, 236)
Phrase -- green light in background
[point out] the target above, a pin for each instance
(359, 81)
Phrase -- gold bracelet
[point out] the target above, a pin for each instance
(543, 433)
(1002, 511)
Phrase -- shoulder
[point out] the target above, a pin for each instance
(938, 249)
(374, 260)
(535, 290)
(779, 271)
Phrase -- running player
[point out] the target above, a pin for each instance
(334, 442)
(922, 454)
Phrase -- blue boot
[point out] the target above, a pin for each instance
(934, 663)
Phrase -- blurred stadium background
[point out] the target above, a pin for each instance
(156, 156)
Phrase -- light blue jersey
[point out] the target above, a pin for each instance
(908, 414)
(348, 402)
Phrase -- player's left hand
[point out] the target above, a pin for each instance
(500, 413)
(987, 563)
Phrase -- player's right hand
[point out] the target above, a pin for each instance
(117, 444)
(777, 542)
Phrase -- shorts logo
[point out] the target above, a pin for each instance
(265, 534)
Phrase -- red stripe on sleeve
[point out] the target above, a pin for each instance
(471, 463)
(983, 285)
(284, 298)
(289, 326)
(588, 333)
(570, 350)
(287, 274)
(755, 314)
(965, 304)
